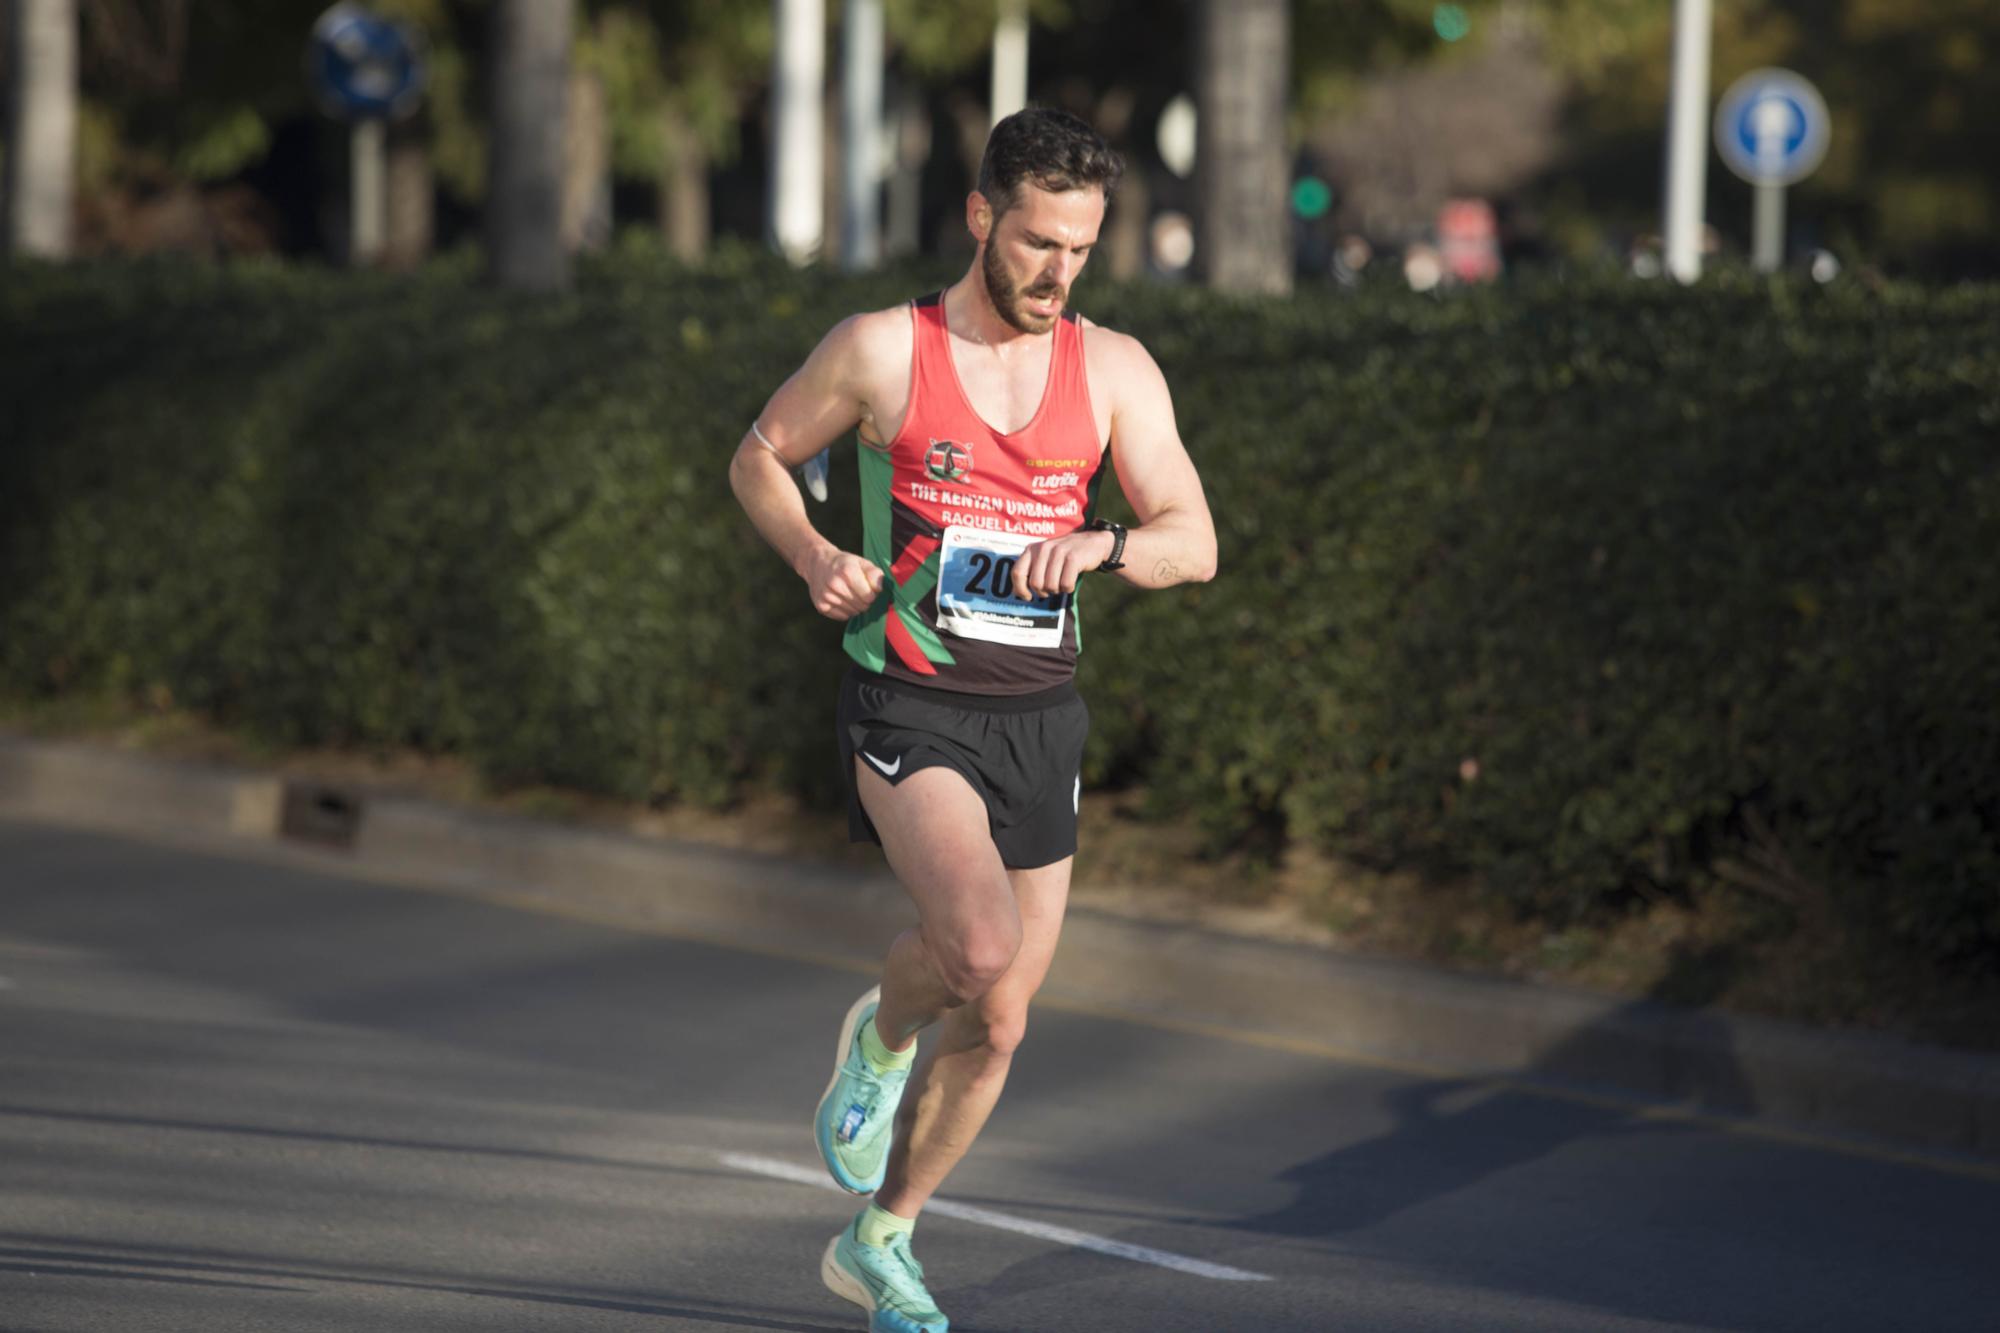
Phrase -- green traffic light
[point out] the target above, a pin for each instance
(1451, 22)
(1311, 197)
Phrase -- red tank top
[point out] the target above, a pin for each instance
(948, 507)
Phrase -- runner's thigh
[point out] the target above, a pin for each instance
(934, 831)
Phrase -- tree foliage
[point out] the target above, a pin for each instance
(701, 62)
(1338, 44)
(1909, 84)
(179, 92)
(184, 91)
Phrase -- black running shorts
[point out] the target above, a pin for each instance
(1023, 754)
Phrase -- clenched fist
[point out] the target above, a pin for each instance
(1055, 566)
(843, 585)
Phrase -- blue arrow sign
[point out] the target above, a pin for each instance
(363, 67)
(1772, 127)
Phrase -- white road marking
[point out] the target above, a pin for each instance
(1082, 1240)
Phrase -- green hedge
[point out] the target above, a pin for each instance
(1594, 589)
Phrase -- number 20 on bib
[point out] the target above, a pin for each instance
(975, 592)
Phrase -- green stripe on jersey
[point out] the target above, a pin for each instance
(866, 639)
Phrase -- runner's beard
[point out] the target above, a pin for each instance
(1009, 300)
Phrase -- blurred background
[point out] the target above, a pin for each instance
(1606, 540)
(1530, 128)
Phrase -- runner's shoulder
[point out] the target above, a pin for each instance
(871, 345)
(1117, 360)
(873, 334)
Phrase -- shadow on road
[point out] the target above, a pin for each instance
(1534, 1186)
(1439, 1148)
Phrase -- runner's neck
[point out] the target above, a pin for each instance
(970, 314)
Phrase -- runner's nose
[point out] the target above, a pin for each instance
(1059, 272)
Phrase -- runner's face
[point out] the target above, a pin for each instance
(1034, 251)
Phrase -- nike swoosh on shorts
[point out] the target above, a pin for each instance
(888, 770)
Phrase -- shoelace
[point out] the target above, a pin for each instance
(858, 1067)
(871, 1097)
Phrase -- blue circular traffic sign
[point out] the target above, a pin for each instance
(363, 67)
(1772, 127)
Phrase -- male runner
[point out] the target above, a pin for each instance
(986, 413)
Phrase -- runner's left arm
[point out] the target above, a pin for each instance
(818, 403)
(1174, 541)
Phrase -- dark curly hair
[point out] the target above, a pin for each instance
(1051, 148)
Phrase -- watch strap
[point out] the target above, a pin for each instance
(1116, 560)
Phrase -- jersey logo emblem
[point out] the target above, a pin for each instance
(948, 460)
(888, 770)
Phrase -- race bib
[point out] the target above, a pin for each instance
(975, 592)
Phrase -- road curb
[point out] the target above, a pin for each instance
(1393, 1013)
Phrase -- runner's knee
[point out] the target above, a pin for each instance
(973, 958)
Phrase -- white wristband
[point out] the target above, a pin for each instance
(761, 440)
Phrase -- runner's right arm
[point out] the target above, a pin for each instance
(820, 402)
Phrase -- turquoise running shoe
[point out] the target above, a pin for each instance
(852, 1125)
(887, 1281)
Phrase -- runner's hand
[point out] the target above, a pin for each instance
(843, 585)
(1055, 566)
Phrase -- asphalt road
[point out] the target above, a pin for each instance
(241, 1095)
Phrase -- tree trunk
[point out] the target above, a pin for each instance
(1124, 240)
(41, 129)
(586, 214)
(530, 77)
(412, 216)
(1125, 236)
(684, 201)
(902, 232)
(1245, 237)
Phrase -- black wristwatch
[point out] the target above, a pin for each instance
(1117, 541)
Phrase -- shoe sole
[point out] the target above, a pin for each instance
(847, 1029)
(841, 1282)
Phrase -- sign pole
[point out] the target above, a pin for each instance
(1010, 60)
(367, 192)
(1768, 228)
(364, 71)
(798, 89)
(1772, 128)
(861, 134)
(1687, 147)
